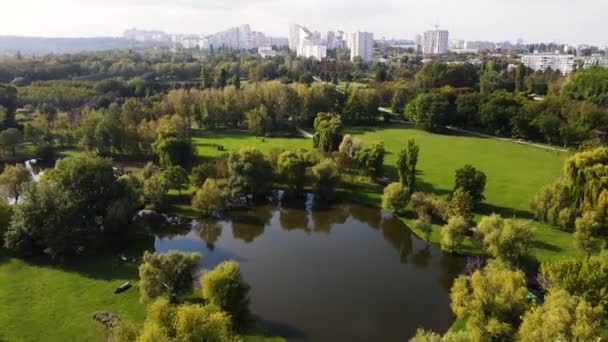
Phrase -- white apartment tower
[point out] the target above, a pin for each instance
(305, 43)
(362, 45)
(546, 61)
(435, 42)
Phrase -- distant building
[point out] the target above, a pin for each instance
(595, 60)
(331, 40)
(266, 51)
(144, 36)
(435, 42)
(362, 46)
(456, 44)
(552, 61)
(306, 44)
(480, 45)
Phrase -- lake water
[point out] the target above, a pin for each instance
(345, 273)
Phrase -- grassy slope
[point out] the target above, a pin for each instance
(515, 172)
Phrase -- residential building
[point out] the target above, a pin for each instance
(362, 45)
(435, 42)
(595, 60)
(552, 61)
(306, 44)
(331, 40)
(456, 44)
(144, 36)
(266, 51)
(480, 45)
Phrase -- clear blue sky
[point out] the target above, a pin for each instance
(569, 21)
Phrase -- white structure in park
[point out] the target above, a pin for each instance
(552, 61)
(305, 43)
(435, 42)
(266, 51)
(361, 45)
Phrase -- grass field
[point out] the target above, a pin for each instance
(43, 302)
(515, 172)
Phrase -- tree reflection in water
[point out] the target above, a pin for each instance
(396, 234)
(249, 224)
(209, 231)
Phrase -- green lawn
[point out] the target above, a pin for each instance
(352, 85)
(43, 302)
(515, 172)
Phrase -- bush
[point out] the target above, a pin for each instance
(395, 197)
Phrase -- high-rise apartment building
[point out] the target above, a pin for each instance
(435, 42)
(546, 61)
(305, 43)
(362, 45)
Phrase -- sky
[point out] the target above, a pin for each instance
(564, 21)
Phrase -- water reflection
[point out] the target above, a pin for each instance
(345, 272)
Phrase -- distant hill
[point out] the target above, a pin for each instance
(41, 45)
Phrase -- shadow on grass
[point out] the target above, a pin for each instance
(546, 246)
(489, 209)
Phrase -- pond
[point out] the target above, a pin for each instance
(344, 273)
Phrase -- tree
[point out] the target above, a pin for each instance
(70, 210)
(453, 233)
(582, 277)
(176, 178)
(202, 323)
(169, 274)
(471, 181)
(406, 164)
(505, 239)
(201, 172)
(6, 214)
(210, 198)
(520, 76)
(258, 121)
(428, 111)
(155, 189)
(325, 179)
(491, 301)
(371, 160)
(395, 197)
(328, 132)
(400, 98)
(586, 231)
(562, 317)
(13, 179)
(9, 139)
(172, 150)
(461, 204)
(292, 166)
(250, 173)
(225, 288)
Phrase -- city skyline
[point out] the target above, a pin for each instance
(467, 19)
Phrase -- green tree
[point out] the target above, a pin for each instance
(201, 172)
(454, 233)
(258, 121)
(406, 164)
(371, 160)
(582, 277)
(206, 78)
(471, 181)
(328, 132)
(428, 111)
(395, 197)
(13, 179)
(176, 177)
(505, 239)
(154, 190)
(586, 233)
(292, 166)
(520, 77)
(202, 323)
(461, 204)
(169, 274)
(225, 288)
(491, 301)
(9, 139)
(325, 179)
(250, 173)
(210, 198)
(172, 150)
(562, 317)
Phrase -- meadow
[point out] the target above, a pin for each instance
(515, 172)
